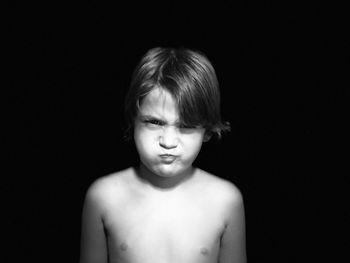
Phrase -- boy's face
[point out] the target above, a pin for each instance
(164, 147)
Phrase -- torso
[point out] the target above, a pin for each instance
(165, 227)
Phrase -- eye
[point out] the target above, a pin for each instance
(187, 129)
(154, 122)
(184, 126)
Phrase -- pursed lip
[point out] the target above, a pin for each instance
(168, 158)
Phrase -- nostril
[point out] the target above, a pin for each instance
(169, 138)
(168, 143)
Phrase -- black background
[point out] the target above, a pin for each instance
(283, 71)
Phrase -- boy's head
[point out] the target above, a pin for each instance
(189, 77)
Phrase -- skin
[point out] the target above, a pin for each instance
(166, 210)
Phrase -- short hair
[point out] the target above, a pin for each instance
(191, 79)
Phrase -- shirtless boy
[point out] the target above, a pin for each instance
(166, 210)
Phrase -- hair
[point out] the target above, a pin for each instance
(191, 79)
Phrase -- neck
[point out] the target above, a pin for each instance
(163, 183)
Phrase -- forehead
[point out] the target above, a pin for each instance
(159, 103)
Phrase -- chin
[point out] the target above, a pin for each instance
(170, 171)
(165, 172)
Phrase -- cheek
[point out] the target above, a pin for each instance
(193, 144)
(144, 141)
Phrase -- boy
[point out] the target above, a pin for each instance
(166, 210)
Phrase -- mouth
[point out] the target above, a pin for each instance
(168, 158)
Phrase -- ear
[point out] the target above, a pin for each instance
(207, 137)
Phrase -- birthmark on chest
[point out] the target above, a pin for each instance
(204, 251)
(123, 246)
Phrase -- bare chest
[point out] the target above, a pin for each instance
(165, 231)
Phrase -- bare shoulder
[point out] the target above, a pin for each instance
(105, 188)
(223, 190)
(225, 197)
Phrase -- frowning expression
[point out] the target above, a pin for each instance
(165, 147)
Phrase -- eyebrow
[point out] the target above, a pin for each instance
(148, 116)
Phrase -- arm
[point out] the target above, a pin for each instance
(93, 247)
(233, 241)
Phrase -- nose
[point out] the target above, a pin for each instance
(169, 138)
